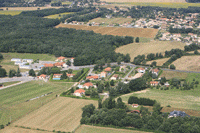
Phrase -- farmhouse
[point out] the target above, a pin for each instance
(141, 70)
(42, 76)
(87, 85)
(94, 77)
(154, 83)
(103, 74)
(114, 77)
(79, 92)
(108, 69)
(57, 76)
(155, 71)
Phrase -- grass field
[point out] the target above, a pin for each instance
(12, 100)
(174, 97)
(135, 49)
(62, 114)
(159, 61)
(26, 8)
(96, 129)
(172, 74)
(188, 63)
(11, 129)
(10, 83)
(55, 16)
(10, 12)
(116, 31)
(112, 20)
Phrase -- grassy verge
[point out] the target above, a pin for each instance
(10, 83)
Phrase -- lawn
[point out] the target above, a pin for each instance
(12, 13)
(188, 63)
(172, 74)
(96, 129)
(136, 49)
(55, 16)
(188, 99)
(12, 100)
(61, 114)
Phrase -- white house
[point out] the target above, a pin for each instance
(114, 77)
(141, 70)
(79, 92)
(16, 59)
(27, 60)
(24, 66)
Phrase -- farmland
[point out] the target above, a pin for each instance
(135, 49)
(55, 16)
(10, 129)
(62, 114)
(12, 13)
(26, 8)
(191, 63)
(174, 97)
(12, 100)
(95, 129)
(111, 21)
(159, 61)
(172, 74)
(116, 31)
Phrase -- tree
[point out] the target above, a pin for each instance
(100, 88)
(120, 104)
(18, 73)
(2, 72)
(112, 82)
(137, 40)
(96, 67)
(70, 71)
(196, 52)
(119, 60)
(99, 103)
(1, 56)
(88, 110)
(163, 80)
(68, 63)
(172, 66)
(12, 73)
(127, 58)
(157, 108)
(63, 76)
(32, 73)
(153, 63)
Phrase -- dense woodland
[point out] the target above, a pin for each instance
(25, 34)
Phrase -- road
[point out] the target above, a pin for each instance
(3, 80)
(13, 85)
(90, 72)
(126, 77)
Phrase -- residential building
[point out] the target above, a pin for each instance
(154, 83)
(61, 58)
(135, 105)
(122, 68)
(79, 92)
(155, 71)
(59, 64)
(57, 76)
(108, 69)
(177, 114)
(87, 85)
(70, 75)
(141, 70)
(114, 77)
(49, 65)
(94, 77)
(103, 74)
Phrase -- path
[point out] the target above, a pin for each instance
(13, 85)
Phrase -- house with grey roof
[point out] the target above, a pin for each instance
(177, 114)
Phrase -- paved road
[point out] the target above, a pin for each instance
(90, 72)
(126, 77)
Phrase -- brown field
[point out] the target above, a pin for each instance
(160, 62)
(135, 49)
(172, 74)
(193, 51)
(189, 63)
(116, 31)
(171, 1)
(62, 114)
(10, 129)
(96, 129)
(111, 21)
(25, 8)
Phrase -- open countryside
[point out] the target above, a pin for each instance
(134, 32)
(55, 16)
(10, 12)
(62, 114)
(11, 129)
(160, 62)
(135, 49)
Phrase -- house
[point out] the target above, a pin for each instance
(49, 65)
(42, 76)
(19, 63)
(70, 75)
(87, 85)
(57, 76)
(60, 64)
(94, 77)
(61, 58)
(122, 68)
(141, 70)
(155, 71)
(108, 69)
(114, 77)
(103, 74)
(167, 84)
(25, 66)
(154, 83)
(135, 105)
(177, 114)
(27, 60)
(79, 92)
(16, 59)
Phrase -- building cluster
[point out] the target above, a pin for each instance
(22, 63)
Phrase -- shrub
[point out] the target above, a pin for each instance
(172, 66)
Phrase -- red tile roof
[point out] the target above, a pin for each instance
(61, 58)
(153, 82)
(57, 74)
(59, 64)
(48, 65)
(155, 70)
(140, 68)
(92, 77)
(88, 84)
(42, 75)
(69, 75)
(108, 69)
(80, 91)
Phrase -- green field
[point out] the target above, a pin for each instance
(12, 100)
(10, 83)
(172, 74)
(96, 129)
(60, 15)
(160, 4)
(188, 99)
(12, 13)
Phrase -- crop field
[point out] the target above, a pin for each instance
(174, 97)
(172, 74)
(55, 16)
(10, 12)
(12, 100)
(11, 129)
(10, 83)
(135, 49)
(25, 8)
(62, 114)
(96, 129)
(116, 31)
(112, 20)
(160, 62)
(188, 63)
